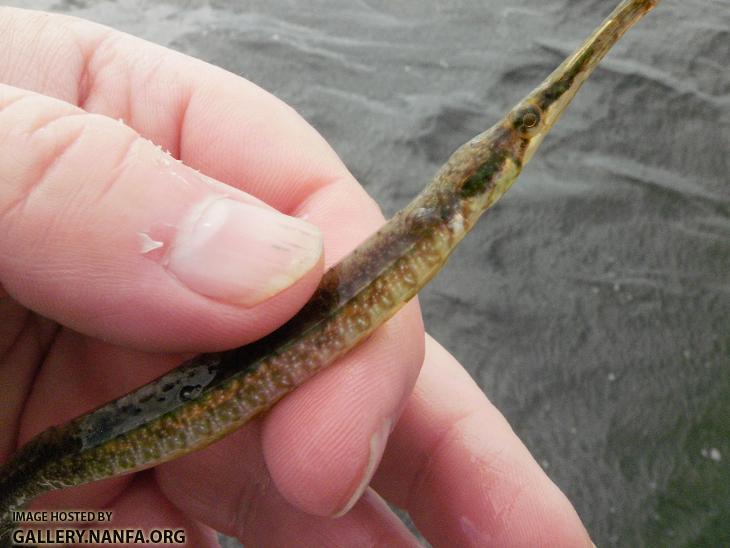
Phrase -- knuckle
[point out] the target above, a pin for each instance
(32, 142)
(55, 152)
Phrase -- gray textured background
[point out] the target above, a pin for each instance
(593, 303)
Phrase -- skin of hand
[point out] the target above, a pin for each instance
(117, 260)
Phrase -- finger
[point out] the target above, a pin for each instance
(134, 247)
(212, 120)
(236, 131)
(323, 443)
(137, 505)
(24, 339)
(463, 475)
(143, 507)
(256, 513)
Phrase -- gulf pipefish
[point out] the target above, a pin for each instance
(213, 394)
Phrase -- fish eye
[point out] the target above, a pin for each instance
(526, 119)
(530, 119)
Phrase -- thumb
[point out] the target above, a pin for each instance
(103, 232)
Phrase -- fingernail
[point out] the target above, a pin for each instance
(377, 445)
(242, 253)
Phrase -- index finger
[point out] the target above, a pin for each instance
(212, 120)
(463, 475)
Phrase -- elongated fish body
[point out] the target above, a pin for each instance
(213, 394)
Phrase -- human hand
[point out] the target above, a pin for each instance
(111, 276)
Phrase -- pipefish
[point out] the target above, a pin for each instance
(213, 394)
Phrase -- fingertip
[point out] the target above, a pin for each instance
(489, 492)
(237, 497)
(378, 440)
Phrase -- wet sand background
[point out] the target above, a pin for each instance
(592, 304)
